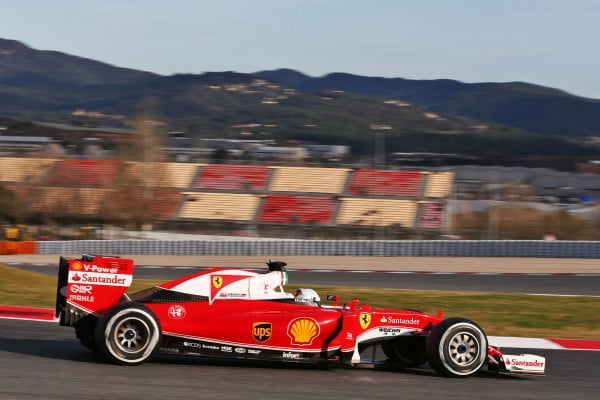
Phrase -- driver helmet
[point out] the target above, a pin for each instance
(307, 296)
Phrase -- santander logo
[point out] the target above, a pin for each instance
(400, 321)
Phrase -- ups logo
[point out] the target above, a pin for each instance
(261, 331)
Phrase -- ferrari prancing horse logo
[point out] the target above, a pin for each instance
(217, 281)
(365, 320)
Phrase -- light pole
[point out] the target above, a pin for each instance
(379, 144)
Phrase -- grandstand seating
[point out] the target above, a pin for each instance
(219, 206)
(232, 177)
(135, 191)
(297, 209)
(162, 174)
(24, 170)
(70, 201)
(159, 204)
(369, 182)
(376, 212)
(21, 192)
(85, 172)
(431, 214)
(439, 184)
(308, 180)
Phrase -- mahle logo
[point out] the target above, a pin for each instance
(217, 281)
(261, 331)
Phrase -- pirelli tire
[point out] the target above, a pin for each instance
(128, 334)
(85, 330)
(456, 347)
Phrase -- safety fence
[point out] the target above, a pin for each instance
(388, 248)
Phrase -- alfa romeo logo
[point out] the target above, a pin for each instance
(176, 312)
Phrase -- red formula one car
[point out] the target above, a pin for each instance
(244, 314)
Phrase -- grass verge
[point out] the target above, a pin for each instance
(500, 314)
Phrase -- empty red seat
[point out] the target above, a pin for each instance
(297, 209)
(232, 177)
(85, 172)
(374, 182)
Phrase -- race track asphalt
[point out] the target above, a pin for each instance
(41, 360)
(582, 284)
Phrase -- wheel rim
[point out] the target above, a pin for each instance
(464, 349)
(131, 335)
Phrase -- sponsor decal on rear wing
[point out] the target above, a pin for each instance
(91, 285)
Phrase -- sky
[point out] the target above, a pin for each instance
(547, 42)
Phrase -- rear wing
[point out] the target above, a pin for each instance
(90, 285)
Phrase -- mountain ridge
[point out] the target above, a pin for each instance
(337, 108)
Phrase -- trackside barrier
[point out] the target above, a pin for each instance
(25, 247)
(389, 248)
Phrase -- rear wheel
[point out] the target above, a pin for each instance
(456, 347)
(85, 332)
(128, 334)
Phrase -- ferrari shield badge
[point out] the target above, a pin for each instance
(217, 281)
(365, 320)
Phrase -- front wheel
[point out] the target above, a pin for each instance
(128, 333)
(456, 347)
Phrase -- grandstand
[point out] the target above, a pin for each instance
(24, 170)
(385, 183)
(308, 180)
(72, 172)
(439, 184)
(162, 174)
(219, 206)
(297, 209)
(142, 204)
(71, 202)
(377, 212)
(256, 195)
(232, 177)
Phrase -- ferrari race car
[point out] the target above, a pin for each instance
(245, 314)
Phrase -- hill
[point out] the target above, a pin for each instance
(52, 86)
(521, 105)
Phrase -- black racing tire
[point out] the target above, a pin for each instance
(85, 330)
(456, 347)
(128, 334)
(407, 350)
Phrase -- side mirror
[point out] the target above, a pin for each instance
(334, 298)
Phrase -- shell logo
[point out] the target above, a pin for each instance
(302, 331)
(76, 266)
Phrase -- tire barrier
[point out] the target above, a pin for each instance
(385, 248)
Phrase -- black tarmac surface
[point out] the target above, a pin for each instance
(41, 360)
(587, 285)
